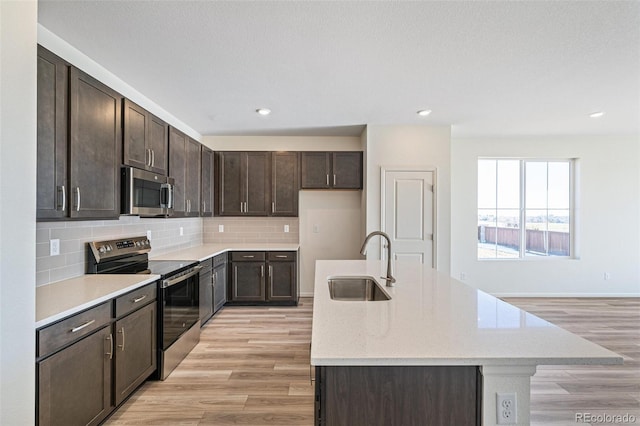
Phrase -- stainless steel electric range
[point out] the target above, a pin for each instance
(178, 295)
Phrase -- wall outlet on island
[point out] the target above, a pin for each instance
(506, 409)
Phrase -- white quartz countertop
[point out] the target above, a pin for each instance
(206, 251)
(63, 298)
(433, 319)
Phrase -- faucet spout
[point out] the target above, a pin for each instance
(389, 278)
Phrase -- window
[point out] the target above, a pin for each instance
(536, 193)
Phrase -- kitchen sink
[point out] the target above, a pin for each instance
(356, 288)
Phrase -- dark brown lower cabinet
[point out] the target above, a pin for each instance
(135, 350)
(398, 395)
(247, 281)
(282, 285)
(74, 385)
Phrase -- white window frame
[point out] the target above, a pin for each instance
(522, 210)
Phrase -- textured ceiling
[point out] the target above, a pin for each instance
(485, 68)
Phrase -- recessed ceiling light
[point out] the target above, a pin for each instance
(424, 112)
(596, 114)
(263, 111)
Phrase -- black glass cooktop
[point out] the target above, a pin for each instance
(170, 267)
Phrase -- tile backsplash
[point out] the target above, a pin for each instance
(165, 237)
(73, 236)
(251, 229)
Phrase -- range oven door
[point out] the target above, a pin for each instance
(145, 193)
(180, 307)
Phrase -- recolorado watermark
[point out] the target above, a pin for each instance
(605, 418)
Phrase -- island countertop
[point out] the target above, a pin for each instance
(433, 319)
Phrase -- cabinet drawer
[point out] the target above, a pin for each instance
(60, 334)
(135, 299)
(220, 259)
(282, 256)
(247, 256)
(206, 265)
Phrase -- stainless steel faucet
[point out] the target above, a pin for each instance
(389, 278)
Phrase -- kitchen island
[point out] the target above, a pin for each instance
(437, 347)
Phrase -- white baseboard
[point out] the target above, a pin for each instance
(574, 295)
(306, 294)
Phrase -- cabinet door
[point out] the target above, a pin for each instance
(95, 148)
(347, 170)
(282, 281)
(248, 281)
(53, 88)
(206, 296)
(158, 144)
(229, 193)
(192, 188)
(177, 169)
(315, 168)
(135, 135)
(206, 208)
(219, 287)
(74, 385)
(257, 186)
(284, 184)
(135, 350)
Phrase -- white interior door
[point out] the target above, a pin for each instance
(408, 214)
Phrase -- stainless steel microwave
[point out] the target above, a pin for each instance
(146, 194)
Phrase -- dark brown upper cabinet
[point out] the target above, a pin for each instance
(53, 114)
(184, 167)
(94, 148)
(331, 170)
(208, 161)
(284, 183)
(145, 140)
(243, 183)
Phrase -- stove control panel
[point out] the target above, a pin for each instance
(112, 248)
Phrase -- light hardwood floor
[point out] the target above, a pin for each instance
(252, 368)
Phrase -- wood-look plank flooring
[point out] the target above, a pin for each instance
(558, 393)
(251, 367)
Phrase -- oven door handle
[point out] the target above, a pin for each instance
(170, 282)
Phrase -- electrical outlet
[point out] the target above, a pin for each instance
(506, 409)
(54, 247)
(181, 231)
(316, 228)
(463, 276)
(148, 234)
(220, 228)
(286, 228)
(607, 276)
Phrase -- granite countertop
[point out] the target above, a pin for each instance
(205, 251)
(58, 300)
(433, 319)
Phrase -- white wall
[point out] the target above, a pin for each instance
(608, 212)
(78, 59)
(17, 210)
(410, 146)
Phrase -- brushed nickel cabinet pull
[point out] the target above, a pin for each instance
(334, 180)
(80, 327)
(139, 299)
(270, 271)
(327, 180)
(262, 271)
(64, 198)
(121, 331)
(153, 158)
(248, 257)
(78, 192)
(281, 256)
(110, 339)
(273, 207)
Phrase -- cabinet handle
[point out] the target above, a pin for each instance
(241, 207)
(110, 339)
(248, 257)
(64, 198)
(147, 157)
(78, 192)
(121, 331)
(153, 158)
(139, 299)
(327, 180)
(334, 180)
(270, 271)
(204, 206)
(281, 256)
(246, 207)
(273, 207)
(262, 271)
(80, 327)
